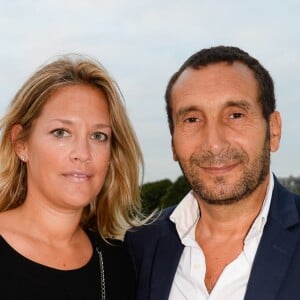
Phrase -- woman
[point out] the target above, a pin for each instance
(69, 186)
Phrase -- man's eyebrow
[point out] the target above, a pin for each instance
(182, 111)
(238, 103)
(230, 103)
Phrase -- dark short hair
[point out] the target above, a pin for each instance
(228, 54)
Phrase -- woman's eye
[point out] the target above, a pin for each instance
(100, 136)
(60, 133)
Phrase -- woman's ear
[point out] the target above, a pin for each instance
(18, 146)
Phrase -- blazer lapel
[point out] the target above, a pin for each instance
(167, 256)
(276, 247)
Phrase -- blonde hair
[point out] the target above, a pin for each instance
(118, 204)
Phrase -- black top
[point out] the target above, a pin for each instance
(21, 278)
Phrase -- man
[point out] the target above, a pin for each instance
(236, 235)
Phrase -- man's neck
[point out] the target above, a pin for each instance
(233, 219)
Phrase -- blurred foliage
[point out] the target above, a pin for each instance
(294, 189)
(176, 192)
(152, 193)
(163, 193)
(291, 183)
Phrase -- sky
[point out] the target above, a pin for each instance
(143, 42)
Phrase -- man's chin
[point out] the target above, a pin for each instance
(220, 193)
(221, 201)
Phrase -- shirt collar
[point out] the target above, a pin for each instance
(261, 219)
(186, 214)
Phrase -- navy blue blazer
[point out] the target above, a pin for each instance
(275, 274)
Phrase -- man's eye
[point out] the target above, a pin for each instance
(100, 136)
(60, 133)
(235, 115)
(191, 120)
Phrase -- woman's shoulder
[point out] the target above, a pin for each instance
(115, 254)
(109, 245)
(119, 270)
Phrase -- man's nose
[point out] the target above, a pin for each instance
(214, 137)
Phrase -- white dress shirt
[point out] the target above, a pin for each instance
(188, 283)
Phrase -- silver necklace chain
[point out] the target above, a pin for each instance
(102, 277)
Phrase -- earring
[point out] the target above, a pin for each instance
(22, 158)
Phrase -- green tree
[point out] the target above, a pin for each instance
(176, 192)
(294, 189)
(152, 193)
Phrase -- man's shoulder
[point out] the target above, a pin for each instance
(283, 192)
(156, 225)
(285, 205)
(164, 214)
(296, 198)
(159, 219)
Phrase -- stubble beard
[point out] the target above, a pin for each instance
(221, 193)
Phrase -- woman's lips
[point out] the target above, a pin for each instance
(77, 176)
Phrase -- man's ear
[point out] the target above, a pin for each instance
(173, 151)
(275, 130)
(18, 146)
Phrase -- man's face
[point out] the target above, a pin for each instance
(221, 139)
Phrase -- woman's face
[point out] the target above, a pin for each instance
(68, 151)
